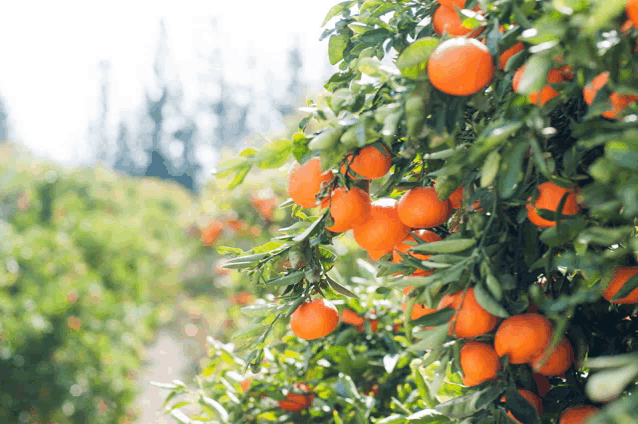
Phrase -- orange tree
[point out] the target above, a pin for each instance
(509, 130)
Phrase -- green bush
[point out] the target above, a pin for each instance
(90, 266)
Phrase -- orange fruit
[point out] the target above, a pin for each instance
(456, 198)
(383, 229)
(421, 208)
(460, 66)
(425, 235)
(632, 11)
(618, 101)
(306, 181)
(296, 402)
(243, 298)
(212, 233)
(245, 385)
(376, 254)
(471, 319)
(446, 20)
(351, 317)
(522, 337)
(314, 319)
(479, 363)
(546, 93)
(371, 162)
(507, 54)
(418, 310)
(558, 361)
(348, 209)
(620, 277)
(536, 402)
(451, 4)
(577, 414)
(542, 384)
(549, 196)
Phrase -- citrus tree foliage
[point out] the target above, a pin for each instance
(88, 259)
(559, 112)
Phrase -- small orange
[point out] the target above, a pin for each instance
(522, 337)
(348, 209)
(542, 384)
(446, 20)
(418, 310)
(296, 402)
(403, 247)
(351, 317)
(245, 385)
(306, 181)
(507, 54)
(371, 162)
(536, 402)
(546, 93)
(212, 233)
(383, 229)
(243, 298)
(620, 277)
(618, 101)
(632, 11)
(421, 208)
(314, 319)
(578, 414)
(374, 325)
(549, 196)
(558, 362)
(479, 363)
(471, 319)
(460, 67)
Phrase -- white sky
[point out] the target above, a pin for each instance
(50, 50)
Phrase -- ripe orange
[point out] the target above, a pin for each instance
(546, 93)
(549, 196)
(351, 317)
(376, 254)
(542, 384)
(243, 298)
(295, 402)
(425, 235)
(418, 310)
(212, 233)
(578, 414)
(450, 4)
(479, 363)
(348, 208)
(460, 66)
(620, 277)
(558, 362)
(315, 319)
(522, 337)
(306, 181)
(507, 54)
(618, 101)
(245, 385)
(371, 162)
(471, 319)
(383, 229)
(374, 325)
(632, 11)
(456, 198)
(536, 402)
(446, 20)
(421, 208)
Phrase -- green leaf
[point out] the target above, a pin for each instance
(520, 407)
(335, 10)
(275, 155)
(467, 405)
(513, 173)
(487, 302)
(336, 45)
(435, 318)
(340, 289)
(430, 338)
(490, 168)
(239, 177)
(630, 285)
(292, 278)
(535, 74)
(624, 153)
(445, 246)
(413, 60)
(311, 229)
